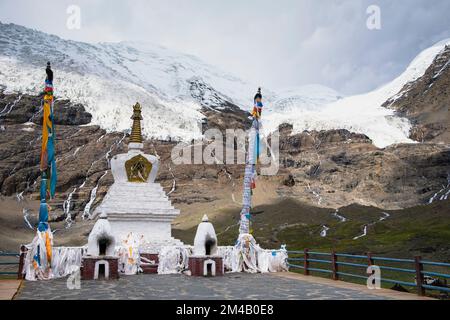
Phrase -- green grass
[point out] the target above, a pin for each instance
(419, 231)
(423, 230)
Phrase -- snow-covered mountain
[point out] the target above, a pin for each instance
(107, 78)
(318, 108)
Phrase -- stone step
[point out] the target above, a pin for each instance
(142, 217)
(138, 198)
(133, 198)
(138, 207)
(136, 191)
(154, 218)
(121, 187)
(140, 190)
(139, 210)
(137, 216)
(138, 186)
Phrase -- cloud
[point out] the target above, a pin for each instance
(275, 44)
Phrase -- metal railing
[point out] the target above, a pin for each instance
(18, 262)
(7, 265)
(415, 274)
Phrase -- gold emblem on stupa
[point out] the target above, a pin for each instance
(138, 169)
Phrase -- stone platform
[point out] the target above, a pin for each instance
(237, 286)
(111, 269)
(8, 288)
(197, 266)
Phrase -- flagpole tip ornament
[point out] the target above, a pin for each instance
(258, 94)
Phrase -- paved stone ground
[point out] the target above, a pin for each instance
(170, 287)
(8, 288)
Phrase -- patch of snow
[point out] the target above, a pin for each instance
(385, 216)
(76, 151)
(26, 215)
(87, 208)
(337, 215)
(10, 106)
(315, 193)
(174, 182)
(324, 231)
(443, 193)
(445, 196)
(101, 137)
(363, 234)
(19, 196)
(438, 74)
(66, 209)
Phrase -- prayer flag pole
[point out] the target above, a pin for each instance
(250, 167)
(41, 247)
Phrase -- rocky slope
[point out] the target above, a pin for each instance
(426, 102)
(336, 168)
(319, 172)
(328, 169)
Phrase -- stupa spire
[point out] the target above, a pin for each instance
(136, 131)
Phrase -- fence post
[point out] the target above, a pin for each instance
(334, 266)
(306, 262)
(419, 275)
(369, 259)
(23, 252)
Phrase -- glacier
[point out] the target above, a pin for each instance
(173, 87)
(362, 113)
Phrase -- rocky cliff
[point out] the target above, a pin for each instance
(327, 169)
(426, 102)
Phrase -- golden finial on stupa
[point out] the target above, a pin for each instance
(136, 132)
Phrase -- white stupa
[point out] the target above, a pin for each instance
(135, 203)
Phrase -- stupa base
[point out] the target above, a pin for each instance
(207, 266)
(99, 268)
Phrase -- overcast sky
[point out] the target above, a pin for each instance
(272, 43)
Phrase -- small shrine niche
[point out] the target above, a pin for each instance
(205, 260)
(210, 244)
(101, 241)
(101, 271)
(100, 261)
(209, 268)
(103, 245)
(205, 242)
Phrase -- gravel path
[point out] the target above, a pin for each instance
(169, 287)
